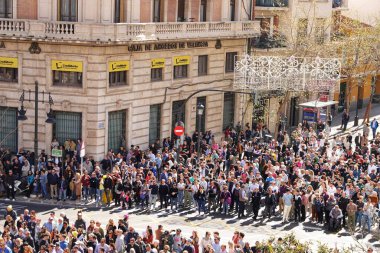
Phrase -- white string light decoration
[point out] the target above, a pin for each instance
(281, 73)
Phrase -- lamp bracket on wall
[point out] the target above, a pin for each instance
(34, 48)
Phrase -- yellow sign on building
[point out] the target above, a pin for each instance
(8, 62)
(69, 66)
(116, 66)
(158, 63)
(181, 60)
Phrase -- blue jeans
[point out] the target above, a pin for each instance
(44, 190)
(86, 192)
(180, 197)
(201, 205)
(99, 194)
(173, 202)
(62, 194)
(367, 221)
(358, 218)
(225, 207)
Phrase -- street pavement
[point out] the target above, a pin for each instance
(189, 220)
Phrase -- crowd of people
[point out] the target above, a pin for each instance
(302, 175)
(28, 233)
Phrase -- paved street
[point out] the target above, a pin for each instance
(188, 220)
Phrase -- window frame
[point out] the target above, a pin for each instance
(203, 11)
(118, 77)
(156, 74)
(61, 75)
(229, 56)
(70, 17)
(184, 72)
(13, 74)
(8, 5)
(203, 66)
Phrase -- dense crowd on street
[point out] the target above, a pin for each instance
(304, 174)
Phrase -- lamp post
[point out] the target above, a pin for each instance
(356, 120)
(22, 117)
(200, 110)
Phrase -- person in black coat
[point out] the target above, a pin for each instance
(10, 184)
(256, 200)
(163, 191)
(343, 203)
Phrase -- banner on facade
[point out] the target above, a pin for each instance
(69, 66)
(181, 60)
(158, 63)
(8, 62)
(116, 66)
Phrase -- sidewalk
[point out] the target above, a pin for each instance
(337, 120)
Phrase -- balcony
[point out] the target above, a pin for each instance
(127, 32)
(340, 5)
(272, 4)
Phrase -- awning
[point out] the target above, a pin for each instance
(318, 104)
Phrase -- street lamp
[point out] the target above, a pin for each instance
(200, 110)
(356, 119)
(22, 117)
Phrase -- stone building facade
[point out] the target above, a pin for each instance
(119, 71)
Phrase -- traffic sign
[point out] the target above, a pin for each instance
(179, 130)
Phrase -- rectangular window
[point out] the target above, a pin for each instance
(68, 125)
(203, 11)
(9, 75)
(228, 110)
(181, 11)
(8, 128)
(230, 61)
(202, 65)
(232, 10)
(6, 8)
(154, 123)
(66, 78)
(119, 11)
(156, 74)
(119, 78)
(157, 11)
(68, 10)
(117, 130)
(180, 72)
(201, 100)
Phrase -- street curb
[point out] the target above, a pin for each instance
(47, 203)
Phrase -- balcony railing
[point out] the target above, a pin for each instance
(97, 32)
(272, 3)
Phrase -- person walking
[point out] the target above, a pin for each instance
(374, 126)
(345, 119)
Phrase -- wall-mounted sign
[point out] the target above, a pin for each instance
(69, 66)
(167, 46)
(181, 60)
(116, 66)
(7, 62)
(158, 63)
